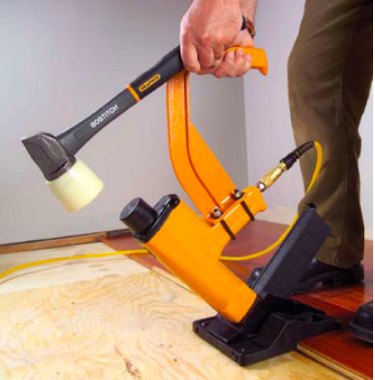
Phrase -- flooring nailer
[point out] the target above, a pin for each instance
(253, 323)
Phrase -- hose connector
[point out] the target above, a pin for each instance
(271, 177)
(285, 164)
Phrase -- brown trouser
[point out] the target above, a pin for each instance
(330, 75)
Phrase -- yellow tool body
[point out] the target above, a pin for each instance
(190, 245)
(191, 248)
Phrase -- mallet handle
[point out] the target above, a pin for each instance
(74, 138)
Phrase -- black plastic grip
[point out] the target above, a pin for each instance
(170, 65)
(161, 72)
(74, 138)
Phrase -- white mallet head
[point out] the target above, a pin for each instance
(74, 184)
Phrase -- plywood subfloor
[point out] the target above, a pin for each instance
(339, 350)
(114, 319)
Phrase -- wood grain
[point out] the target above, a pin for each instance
(58, 273)
(133, 325)
(339, 349)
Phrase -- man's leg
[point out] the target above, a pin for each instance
(330, 75)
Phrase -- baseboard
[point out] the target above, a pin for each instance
(64, 241)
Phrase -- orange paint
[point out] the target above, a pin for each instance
(135, 95)
(190, 246)
(258, 58)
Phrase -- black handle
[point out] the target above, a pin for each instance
(74, 138)
(161, 72)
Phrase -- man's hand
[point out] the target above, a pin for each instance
(208, 28)
(236, 64)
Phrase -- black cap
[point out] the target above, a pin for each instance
(138, 215)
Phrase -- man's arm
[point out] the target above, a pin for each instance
(208, 28)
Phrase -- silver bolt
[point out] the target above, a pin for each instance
(237, 194)
(216, 213)
(261, 186)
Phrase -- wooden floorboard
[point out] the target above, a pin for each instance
(340, 349)
(115, 319)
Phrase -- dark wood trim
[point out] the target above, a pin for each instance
(63, 241)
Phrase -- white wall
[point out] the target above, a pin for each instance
(269, 133)
(60, 60)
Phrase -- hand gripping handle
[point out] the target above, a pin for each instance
(171, 64)
(258, 57)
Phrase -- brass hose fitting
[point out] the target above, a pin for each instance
(285, 164)
(271, 177)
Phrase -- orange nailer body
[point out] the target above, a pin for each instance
(189, 245)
